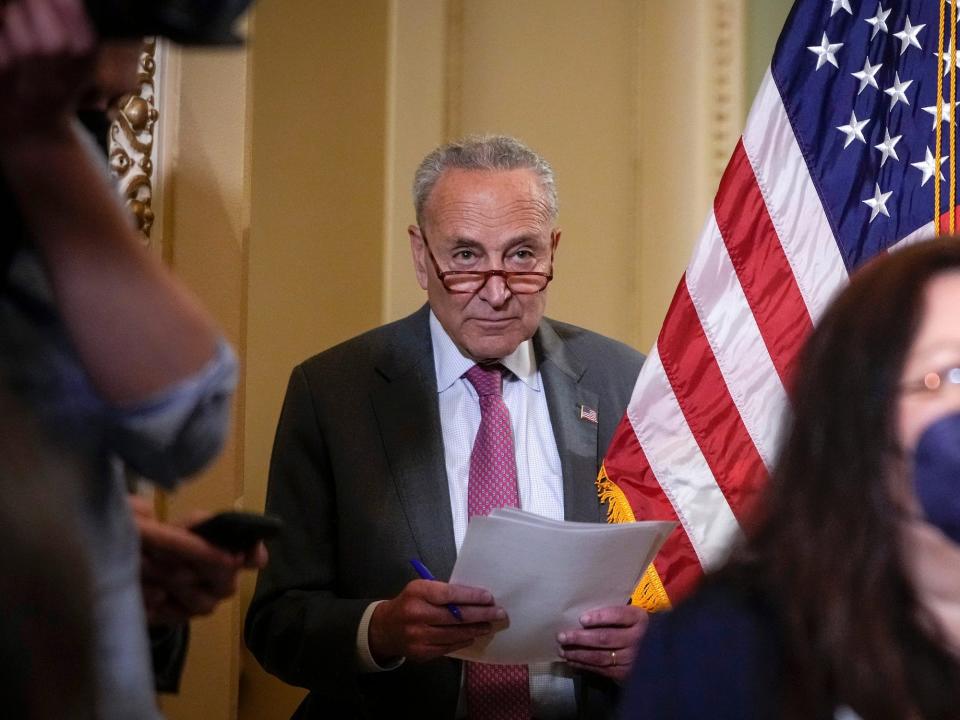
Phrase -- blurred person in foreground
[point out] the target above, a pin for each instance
(182, 577)
(46, 628)
(845, 600)
(116, 360)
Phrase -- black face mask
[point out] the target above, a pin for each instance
(936, 475)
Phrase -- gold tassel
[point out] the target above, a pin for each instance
(649, 593)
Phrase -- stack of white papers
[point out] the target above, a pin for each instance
(546, 574)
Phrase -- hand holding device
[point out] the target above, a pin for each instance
(237, 531)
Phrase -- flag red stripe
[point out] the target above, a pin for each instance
(945, 220)
(707, 405)
(626, 465)
(762, 267)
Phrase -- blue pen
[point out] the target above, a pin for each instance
(427, 575)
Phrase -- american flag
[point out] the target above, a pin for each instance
(838, 161)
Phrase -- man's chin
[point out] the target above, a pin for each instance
(492, 349)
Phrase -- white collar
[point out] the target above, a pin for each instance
(450, 363)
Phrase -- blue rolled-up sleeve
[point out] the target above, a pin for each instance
(176, 432)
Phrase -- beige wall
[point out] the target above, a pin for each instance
(204, 233)
(584, 84)
(288, 194)
(315, 253)
(764, 21)
(573, 98)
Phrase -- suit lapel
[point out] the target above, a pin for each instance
(409, 423)
(408, 417)
(577, 441)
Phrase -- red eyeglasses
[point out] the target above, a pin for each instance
(522, 282)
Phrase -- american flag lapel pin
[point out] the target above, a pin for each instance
(589, 414)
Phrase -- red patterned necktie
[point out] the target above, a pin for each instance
(494, 692)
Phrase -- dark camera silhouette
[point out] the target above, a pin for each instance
(187, 22)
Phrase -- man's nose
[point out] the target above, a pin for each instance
(495, 291)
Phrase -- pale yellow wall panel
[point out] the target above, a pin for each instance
(690, 104)
(416, 107)
(205, 229)
(560, 74)
(315, 261)
(674, 195)
(765, 19)
(315, 272)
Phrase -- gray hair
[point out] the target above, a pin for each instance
(482, 152)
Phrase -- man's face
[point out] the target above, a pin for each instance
(485, 220)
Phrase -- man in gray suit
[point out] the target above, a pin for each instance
(377, 456)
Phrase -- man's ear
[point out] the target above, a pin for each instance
(419, 252)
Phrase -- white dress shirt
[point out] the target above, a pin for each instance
(539, 477)
(539, 480)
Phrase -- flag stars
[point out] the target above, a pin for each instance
(898, 91)
(853, 130)
(838, 5)
(879, 21)
(887, 147)
(867, 76)
(946, 113)
(878, 203)
(908, 36)
(928, 166)
(826, 52)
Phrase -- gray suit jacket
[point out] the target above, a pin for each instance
(358, 476)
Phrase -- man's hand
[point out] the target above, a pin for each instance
(46, 63)
(607, 643)
(184, 576)
(418, 625)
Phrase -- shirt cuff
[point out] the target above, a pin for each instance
(180, 429)
(367, 663)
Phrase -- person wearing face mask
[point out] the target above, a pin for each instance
(844, 600)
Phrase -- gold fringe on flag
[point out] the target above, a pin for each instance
(649, 593)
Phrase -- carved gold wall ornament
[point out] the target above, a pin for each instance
(132, 139)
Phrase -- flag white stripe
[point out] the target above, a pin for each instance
(734, 336)
(919, 235)
(792, 200)
(676, 461)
